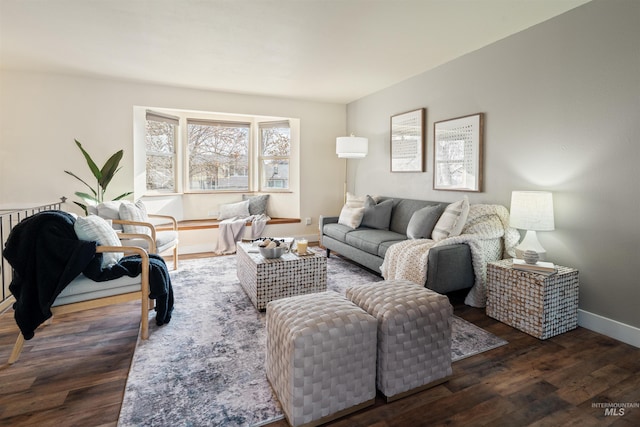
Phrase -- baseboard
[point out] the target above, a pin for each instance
(611, 328)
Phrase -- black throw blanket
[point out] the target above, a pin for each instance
(46, 256)
(160, 288)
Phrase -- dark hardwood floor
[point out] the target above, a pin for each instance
(73, 373)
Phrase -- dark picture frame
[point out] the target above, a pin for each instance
(408, 141)
(457, 153)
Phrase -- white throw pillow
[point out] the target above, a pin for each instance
(452, 220)
(351, 217)
(230, 210)
(107, 210)
(138, 212)
(92, 228)
(354, 201)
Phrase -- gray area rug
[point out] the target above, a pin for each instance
(206, 367)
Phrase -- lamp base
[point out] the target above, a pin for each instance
(531, 243)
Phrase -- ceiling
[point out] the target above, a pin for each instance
(320, 50)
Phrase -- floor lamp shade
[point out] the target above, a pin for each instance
(352, 147)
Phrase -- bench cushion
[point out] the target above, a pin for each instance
(84, 289)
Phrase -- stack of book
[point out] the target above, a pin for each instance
(539, 267)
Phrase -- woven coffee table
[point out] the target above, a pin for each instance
(266, 280)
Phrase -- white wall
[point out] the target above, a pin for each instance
(42, 113)
(562, 113)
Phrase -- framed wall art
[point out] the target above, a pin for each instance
(457, 157)
(408, 141)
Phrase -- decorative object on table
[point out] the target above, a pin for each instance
(540, 267)
(457, 157)
(540, 305)
(531, 211)
(530, 257)
(351, 147)
(301, 246)
(233, 388)
(408, 141)
(103, 177)
(272, 248)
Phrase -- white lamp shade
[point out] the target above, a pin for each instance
(352, 147)
(532, 210)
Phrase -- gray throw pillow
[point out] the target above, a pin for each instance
(377, 215)
(422, 222)
(257, 204)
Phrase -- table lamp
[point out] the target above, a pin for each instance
(531, 211)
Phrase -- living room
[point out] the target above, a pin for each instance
(561, 101)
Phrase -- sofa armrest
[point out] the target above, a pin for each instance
(324, 220)
(450, 268)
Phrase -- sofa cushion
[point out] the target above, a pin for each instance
(377, 215)
(257, 204)
(403, 211)
(369, 240)
(231, 210)
(382, 249)
(422, 222)
(336, 231)
(351, 217)
(452, 220)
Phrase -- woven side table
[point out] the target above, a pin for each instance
(541, 305)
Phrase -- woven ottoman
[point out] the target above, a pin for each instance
(414, 334)
(320, 356)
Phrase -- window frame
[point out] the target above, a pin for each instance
(151, 115)
(186, 163)
(261, 157)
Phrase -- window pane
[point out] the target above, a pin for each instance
(275, 174)
(276, 141)
(160, 149)
(218, 156)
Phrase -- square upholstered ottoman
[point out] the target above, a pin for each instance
(320, 357)
(414, 334)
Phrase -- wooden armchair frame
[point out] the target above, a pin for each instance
(172, 226)
(142, 294)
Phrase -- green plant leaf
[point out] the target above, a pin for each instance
(87, 197)
(122, 196)
(84, 207)
(109, 170)
(92, 165)
(82, 181)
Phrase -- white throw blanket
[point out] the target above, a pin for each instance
(231, 230)
(488, 235)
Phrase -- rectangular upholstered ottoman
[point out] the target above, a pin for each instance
(320, 356)
(414, 334)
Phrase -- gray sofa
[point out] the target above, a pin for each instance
(449, 267)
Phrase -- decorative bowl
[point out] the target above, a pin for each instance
(276, 252)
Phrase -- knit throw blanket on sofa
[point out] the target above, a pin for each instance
(488, 234)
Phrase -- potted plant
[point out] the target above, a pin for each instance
(103, 177)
